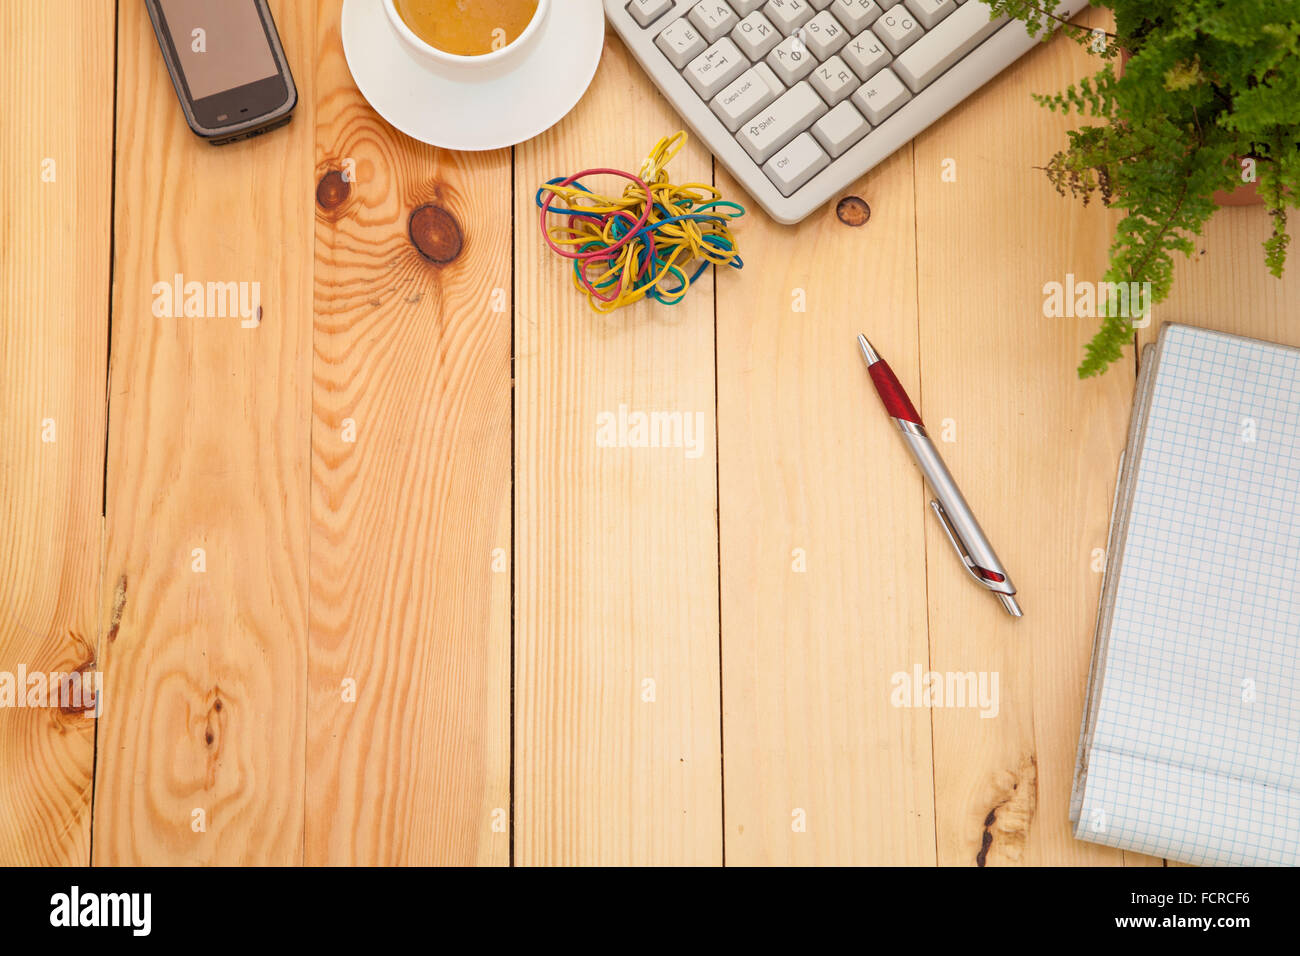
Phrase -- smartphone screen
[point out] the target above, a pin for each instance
(226, 64)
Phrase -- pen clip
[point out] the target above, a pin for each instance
(966, 561)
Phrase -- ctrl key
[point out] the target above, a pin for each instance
(796, 164)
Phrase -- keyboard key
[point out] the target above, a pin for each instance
(755, 36)
(746, 96)
(788, 15)
(791, 61)
(823, 35)
(713, 69)
(930, 12)
(646, 12)
(769, 78)
(713, 18)
(833, 80)
(898, 30)
(680, 42)
(866, 55)
(744, 8)
(881, 96)
(775, 125)
(856, 15)
(820, 5)
(947, 43)
(796, 164)
(839, 129)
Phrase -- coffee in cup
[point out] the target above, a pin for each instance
(467, 27)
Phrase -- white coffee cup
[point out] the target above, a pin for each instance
(481, 67)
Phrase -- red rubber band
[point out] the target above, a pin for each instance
(594, 253)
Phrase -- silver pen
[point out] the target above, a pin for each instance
(958, 521)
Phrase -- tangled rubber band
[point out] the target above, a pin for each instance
(652, 242)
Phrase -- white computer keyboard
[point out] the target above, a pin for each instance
(798, 98)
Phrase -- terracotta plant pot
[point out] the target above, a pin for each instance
(1247, 194)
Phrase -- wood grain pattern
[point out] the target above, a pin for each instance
(410, 585)
(658, 609)
(822, 539)
(1225, 286)
(616, 570)
(56, 173)
(203, 730)
(1035, 450)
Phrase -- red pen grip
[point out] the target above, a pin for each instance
(891, 392)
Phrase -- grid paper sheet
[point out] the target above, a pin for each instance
(1191, 736)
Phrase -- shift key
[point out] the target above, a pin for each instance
(771, 128)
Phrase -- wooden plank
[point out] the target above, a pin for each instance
(1226, 286)
(410, 492)
(202, 740)
(617, 752)
(1034, 449)
(56, 169)
(822, 539)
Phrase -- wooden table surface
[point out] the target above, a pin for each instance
(360, 581)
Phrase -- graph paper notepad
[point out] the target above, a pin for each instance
(1190, 745)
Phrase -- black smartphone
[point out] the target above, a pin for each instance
(227, 65)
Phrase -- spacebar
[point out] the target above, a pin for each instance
(951, 39)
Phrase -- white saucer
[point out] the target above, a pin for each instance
(483, 114)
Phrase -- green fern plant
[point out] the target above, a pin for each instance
(1208, 98)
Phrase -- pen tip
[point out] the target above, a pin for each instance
(868, 353)
(1012, 606)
